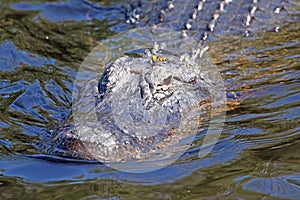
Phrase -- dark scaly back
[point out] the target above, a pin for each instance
(210, 19)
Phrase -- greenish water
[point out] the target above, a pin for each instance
(42, 45)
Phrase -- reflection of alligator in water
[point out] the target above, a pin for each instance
(156, 83)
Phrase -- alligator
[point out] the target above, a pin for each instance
(145, 104)
(160, 88)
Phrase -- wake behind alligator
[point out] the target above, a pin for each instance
(149, 101)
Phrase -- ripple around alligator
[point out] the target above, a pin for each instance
(258, 152)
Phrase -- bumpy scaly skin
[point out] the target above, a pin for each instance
(144, 106)
(158, 89)
(210, 19)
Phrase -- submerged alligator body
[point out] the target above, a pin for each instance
(210, 19)
(159, 87)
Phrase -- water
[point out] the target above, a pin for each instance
(41, 49)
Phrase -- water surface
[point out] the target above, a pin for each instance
(42, 44)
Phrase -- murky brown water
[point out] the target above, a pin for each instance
(42, 45)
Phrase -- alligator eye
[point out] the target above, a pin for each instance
(154, 58)
(162, 58)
